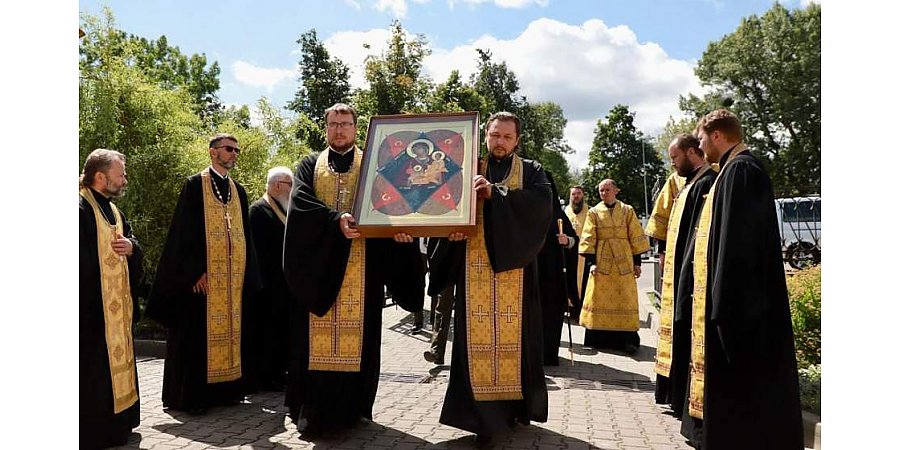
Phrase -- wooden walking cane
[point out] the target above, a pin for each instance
(559, 225)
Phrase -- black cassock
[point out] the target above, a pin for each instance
(751, 398)
(556, 286)
(98, 426)
(268, 313)
(515, 228)
(315, 259)
(173, 303)
(673, 389)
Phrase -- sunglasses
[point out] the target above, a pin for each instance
(230, 149)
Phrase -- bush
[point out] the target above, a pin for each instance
(811, 388)
(805, 293)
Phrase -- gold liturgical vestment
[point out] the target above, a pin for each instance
(667, 304)
(335, 339)
(226, 258)
(698, 317)
(614, 235)
(578, 223)
(657, 226)
(494, 312)
(117, 307)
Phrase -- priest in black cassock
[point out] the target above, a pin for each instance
(110, 270)
(557, 265)
(207, 274)
(269, 310)
(497, 375)
(743, 390)
(674, 346)
(337, 280)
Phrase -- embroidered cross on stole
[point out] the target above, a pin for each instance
(226, 256)
(667, 303)
(335, 339)
(698, 316)
(494, 313)
(117, 307)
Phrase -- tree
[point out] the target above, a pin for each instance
(324, 79)
(454, 96)
(771, 68)
(543, 139)
(497, 84)
(159, 62)
(396, 82)
(622, 153)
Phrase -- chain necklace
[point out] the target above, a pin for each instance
(219, 194)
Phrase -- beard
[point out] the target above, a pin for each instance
(341, 148)
(114, 191)
(576, 206)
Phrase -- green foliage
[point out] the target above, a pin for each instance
(805, 293)
(324, 79)
(496, 84)
(770, 67)
(396, 82)
(621, 153)
(455, 96)
(811, 389)
(158, 61)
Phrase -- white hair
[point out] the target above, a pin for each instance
(274, 172)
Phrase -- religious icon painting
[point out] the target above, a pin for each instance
(416, 175)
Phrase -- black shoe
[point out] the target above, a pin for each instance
(631, 349)
(417, 328)
(432, 358)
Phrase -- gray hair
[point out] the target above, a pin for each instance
(274, 173)
(98, 160)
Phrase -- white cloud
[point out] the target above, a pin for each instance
(587, 69)
(261, 77)
(397, 7)
(806, 3)
(512, 4)
(355, 4)
(348, 47)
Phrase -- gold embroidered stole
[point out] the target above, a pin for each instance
(494, 313)
(657, 226)
(667, 303)
(578, 223)
(115, 291)
(335, 339)
(698, 316)
(226, 257)
(275, 207)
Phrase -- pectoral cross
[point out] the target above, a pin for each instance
(227, 220)
(228, 229)
(509, 314)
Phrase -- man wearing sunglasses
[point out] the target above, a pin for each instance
(207, 270)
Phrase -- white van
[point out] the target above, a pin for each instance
(800, 224)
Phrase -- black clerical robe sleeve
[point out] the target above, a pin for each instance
(253, 281)
(747, 274)
(515, 224)
(403, 271)
(135, 269)
(315, 249)
(183, 259)
(570, 256)
(445, 261)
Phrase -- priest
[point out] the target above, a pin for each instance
(658, 225)
(497, 376)
(337, 281)
(743, 391)
(673, 347)
(612, 242)
(110, 270)
(577, 214)
(207, 273)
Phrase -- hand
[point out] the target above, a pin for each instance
(403, 237)
(457, 236)
(563, 239)
(569, 300)
(483, 187)
(593, 268)
(122, 246)
(637, 271)
(662, 260)
(201, 286)
(348, 226)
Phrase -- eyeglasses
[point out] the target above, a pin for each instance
(230, 149)
(333, 125)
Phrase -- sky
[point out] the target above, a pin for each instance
(585, 55)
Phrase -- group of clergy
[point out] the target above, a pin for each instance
(231, 277)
